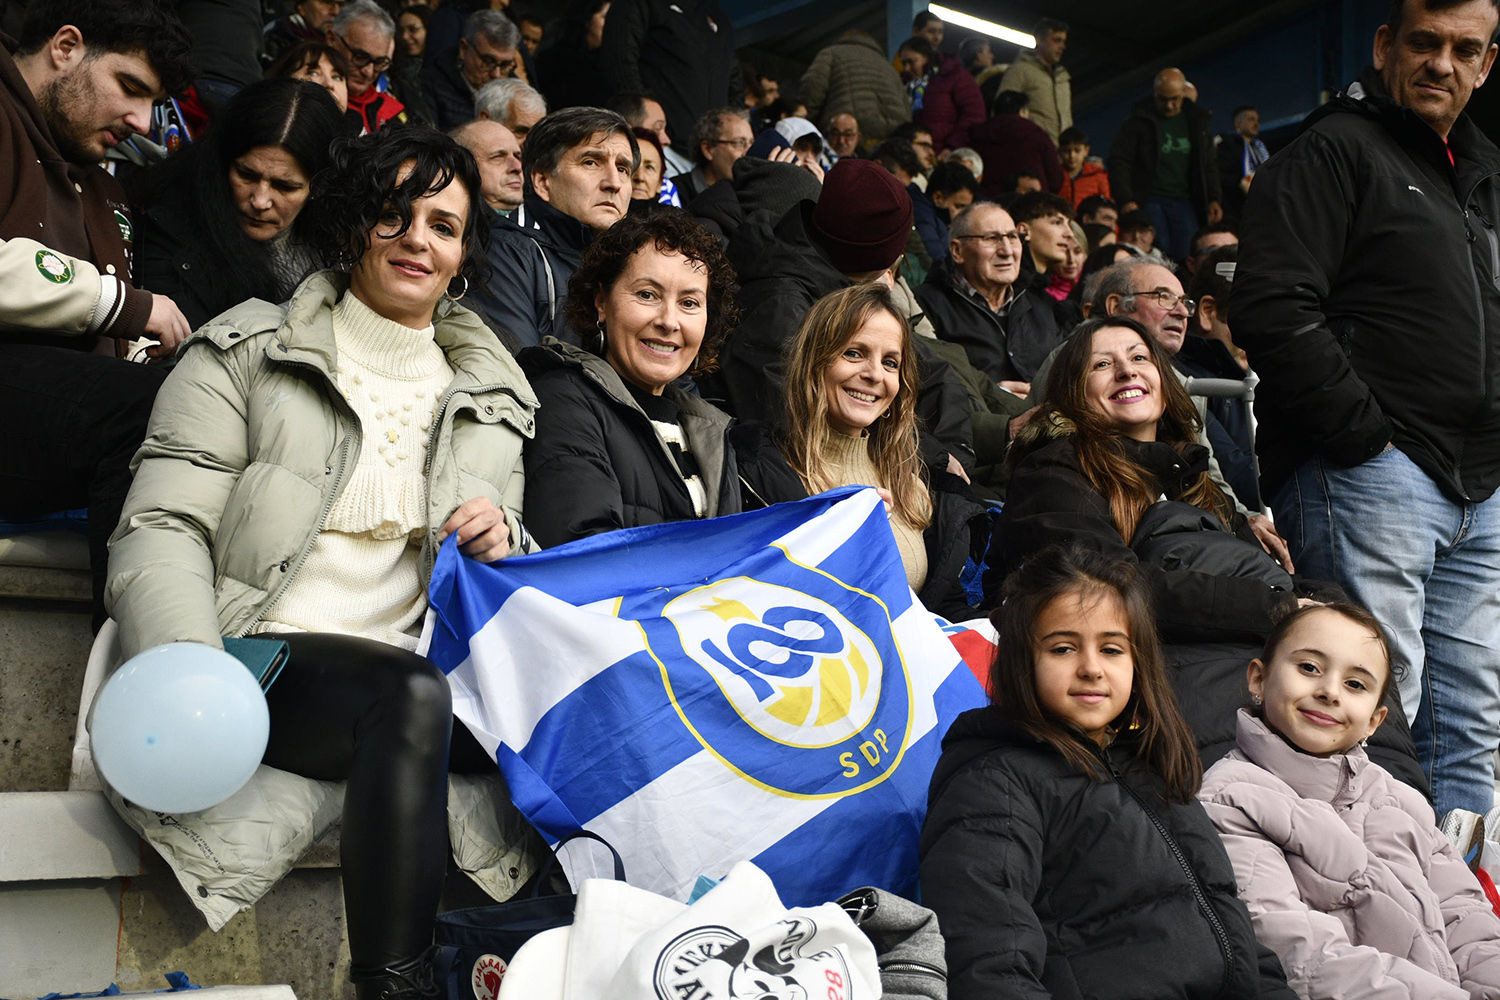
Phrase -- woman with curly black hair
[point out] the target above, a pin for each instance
(303, 463)
(618, 445)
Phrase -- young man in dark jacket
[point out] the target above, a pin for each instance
(1163, 161)
(81, 79)
(1366, 297)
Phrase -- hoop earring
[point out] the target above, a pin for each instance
(454, 298)
(603, 337)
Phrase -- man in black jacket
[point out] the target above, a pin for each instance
(577, 164)
(1366, 297)
(1162, 160)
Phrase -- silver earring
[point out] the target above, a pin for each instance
(1255, 700)
(454, 298)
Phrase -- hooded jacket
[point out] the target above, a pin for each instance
(1347, 876)
(1368, 295)
(533, 252)
(66, 234)
(951, 105)
(1137, 147)
(1048, 883)
(853, 76)
(1052, 502)
(597, 464)
(1009, 145)
(252, 421)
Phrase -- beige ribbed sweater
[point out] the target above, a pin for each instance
(363, 576)
(850, 464)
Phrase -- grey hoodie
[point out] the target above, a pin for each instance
(1347, 877)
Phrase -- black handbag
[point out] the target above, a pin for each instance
(476, 945)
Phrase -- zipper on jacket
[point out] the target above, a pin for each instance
(1199, 894)
(908, 967)
(338, 480)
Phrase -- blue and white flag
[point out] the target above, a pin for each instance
(761, 687)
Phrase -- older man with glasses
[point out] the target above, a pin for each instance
(721, 136)
(980, 299)
(489, 50)
(366, 35)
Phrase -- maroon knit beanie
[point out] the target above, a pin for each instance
(862, 218)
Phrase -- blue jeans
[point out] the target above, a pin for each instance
(1175, 223)
(1429, 569)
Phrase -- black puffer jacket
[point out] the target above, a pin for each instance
(1367, 295)
(1051, 502)
(1050, 884)
(1008, 348)
(959, 528)
(596, 464)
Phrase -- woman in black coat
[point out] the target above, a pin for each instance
(1064, 852)
(618, 445)
(220, 219)
(1114, 439)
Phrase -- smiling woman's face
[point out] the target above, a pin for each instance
(655, 316)
(402, 277)
(1123, 382)
(269, 189)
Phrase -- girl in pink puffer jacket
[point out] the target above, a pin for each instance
(1343, 868)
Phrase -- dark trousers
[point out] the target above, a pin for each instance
(72, 422)
(381, 719)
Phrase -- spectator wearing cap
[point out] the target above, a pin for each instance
(451, 77)
(853, 233)
(577, 165)
(687, 60)
(853, 77)
(944, 98)
(1010, 143)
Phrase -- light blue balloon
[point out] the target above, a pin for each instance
(179, 727)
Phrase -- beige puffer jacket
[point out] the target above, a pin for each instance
(248, 445)
(1347, 877)
(250, 442)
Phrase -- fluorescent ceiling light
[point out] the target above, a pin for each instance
(984, 27)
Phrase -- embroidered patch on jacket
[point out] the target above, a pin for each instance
(486, 976)
(53, 267)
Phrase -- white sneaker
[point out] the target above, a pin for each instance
(1466, 829)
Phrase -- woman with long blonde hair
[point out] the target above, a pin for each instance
(850, 419)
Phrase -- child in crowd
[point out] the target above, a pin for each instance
(1063, 851)
(1081, 178)
(1343, 867)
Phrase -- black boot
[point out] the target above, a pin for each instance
(407, 981)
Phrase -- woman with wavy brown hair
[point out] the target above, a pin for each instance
(850, 419)
(618, 443)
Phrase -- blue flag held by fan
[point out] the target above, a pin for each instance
(763, 687)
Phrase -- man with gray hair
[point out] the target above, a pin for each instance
(577, 165)
(513, 103)
(721, 136)
(488, 50)
(366, 35)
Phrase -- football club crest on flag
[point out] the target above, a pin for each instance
(763, 687)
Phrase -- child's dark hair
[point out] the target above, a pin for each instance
(1163, 738)
(1349, 610)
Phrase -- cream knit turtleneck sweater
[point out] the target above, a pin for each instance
(850, 464)
(363, 576)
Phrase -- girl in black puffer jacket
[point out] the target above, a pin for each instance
(1063, 851)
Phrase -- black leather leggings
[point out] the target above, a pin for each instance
(381, 718)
